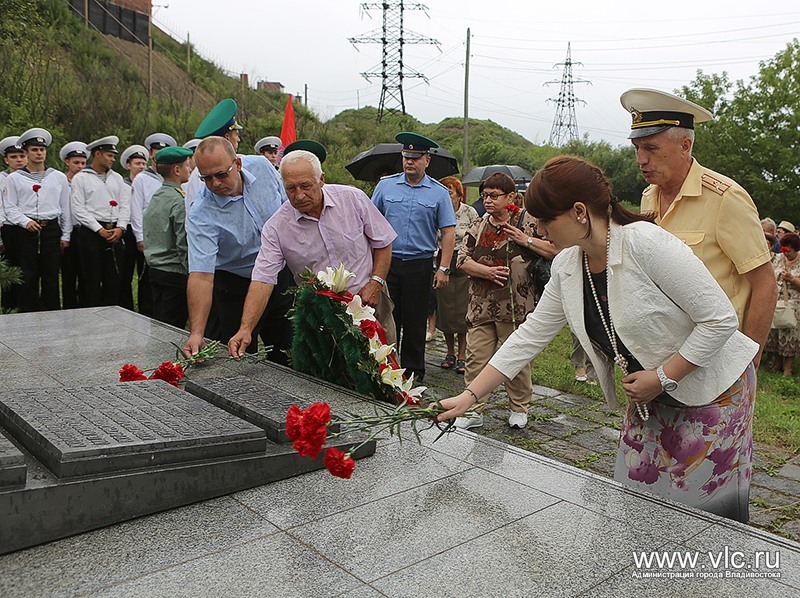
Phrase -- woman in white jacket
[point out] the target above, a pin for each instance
(635, 295)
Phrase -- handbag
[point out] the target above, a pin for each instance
(784, 312)
(538, 267)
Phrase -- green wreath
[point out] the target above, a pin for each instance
(329, 346)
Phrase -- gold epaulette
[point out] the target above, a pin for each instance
(713, 183)
(181, 191)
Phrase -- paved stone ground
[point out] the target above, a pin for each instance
(583, 432)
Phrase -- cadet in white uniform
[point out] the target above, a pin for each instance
(37, 202)
(101, 204)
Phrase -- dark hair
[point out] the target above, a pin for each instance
(501, 181)
(454, 183)
(564, 180)
(165, 170)
(791, 240)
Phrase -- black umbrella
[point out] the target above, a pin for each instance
(385, 159)
(477, 175)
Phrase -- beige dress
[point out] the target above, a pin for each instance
(452, 300)
(786, 341)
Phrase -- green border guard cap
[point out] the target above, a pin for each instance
(414, 145)
(173, 155)
(221, 120)
(315, 147)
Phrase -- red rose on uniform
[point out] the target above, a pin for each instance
(113, 203)
(36, 188)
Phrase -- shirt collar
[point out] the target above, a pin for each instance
(223, 200)
(425, 182)
(328, 201)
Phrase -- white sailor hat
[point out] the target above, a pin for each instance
(159, 141)
(134, 151)
(192, 143)
(654, 111)
(35, 136)
(272, 144)
(73, 149)
(108, 144)
(10, 144)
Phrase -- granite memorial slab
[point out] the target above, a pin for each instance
(90, 430)
(257, 402)
(13, 469)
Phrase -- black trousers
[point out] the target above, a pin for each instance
(38, 254)
(70, 273)
(9, 294)
(133, 260)
(274, 327)
(169, 297)
(100, 263)
(409, 285)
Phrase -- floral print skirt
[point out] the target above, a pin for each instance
(698, 456)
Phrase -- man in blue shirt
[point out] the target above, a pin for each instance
(224, 236)
(417, 207)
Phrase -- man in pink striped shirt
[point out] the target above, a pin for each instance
(321, 225)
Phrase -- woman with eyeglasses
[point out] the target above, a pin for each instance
(495, 253)
(637, 296)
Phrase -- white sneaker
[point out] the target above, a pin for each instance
(518, 420)
(465, 423)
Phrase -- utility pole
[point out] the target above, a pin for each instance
(464, 161)
(150, 53)
(565, 123)
(86, 13)
(188, 53)
(305, 94)
(392, 37)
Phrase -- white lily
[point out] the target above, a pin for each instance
(378, 350)
(359, 311)
(416, 392)
(393, 377)
(335, 280)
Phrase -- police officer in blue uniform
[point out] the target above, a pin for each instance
(416, 206)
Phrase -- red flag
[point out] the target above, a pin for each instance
(289, 129)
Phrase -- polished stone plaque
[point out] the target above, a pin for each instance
(259, 403)
(124, 426)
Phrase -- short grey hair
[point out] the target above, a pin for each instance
(770, 224)
(302, 156)
(678, 134)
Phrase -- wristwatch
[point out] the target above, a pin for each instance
(667, 384)
(445, 270)
(530, 241)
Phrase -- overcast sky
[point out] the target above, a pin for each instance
(516, 47)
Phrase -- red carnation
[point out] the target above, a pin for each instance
(169, 372)
(294, 418)
(512, 208)
(785, 249)
(130, 373)
(369, 328)
(113, 203)
(339, 463)
(308, 429)
(36, 188)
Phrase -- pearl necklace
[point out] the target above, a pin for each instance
(608, 326)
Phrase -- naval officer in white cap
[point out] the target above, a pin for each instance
(708, 211)
(101, 203)
(268, 147)
(37, 201)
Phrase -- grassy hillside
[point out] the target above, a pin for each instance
(79, 84)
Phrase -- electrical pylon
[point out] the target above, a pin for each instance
(392, 37)
(565, 124)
